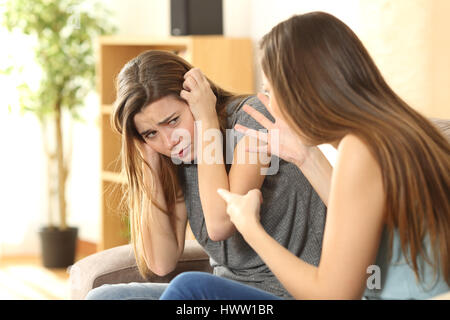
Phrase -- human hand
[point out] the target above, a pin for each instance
(199, 96)
(280, 140)
(243, 210)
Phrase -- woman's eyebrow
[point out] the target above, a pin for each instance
(145, 132)
(165, 120)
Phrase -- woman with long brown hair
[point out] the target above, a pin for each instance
(387, 232)
(166, 112)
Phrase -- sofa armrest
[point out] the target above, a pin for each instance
(118, 265)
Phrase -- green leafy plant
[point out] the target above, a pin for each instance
(65, 31)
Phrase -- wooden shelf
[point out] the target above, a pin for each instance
(107, 109)
(226, 61)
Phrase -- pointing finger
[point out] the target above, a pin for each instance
(226, 195)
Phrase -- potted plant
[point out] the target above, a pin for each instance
(65, 31)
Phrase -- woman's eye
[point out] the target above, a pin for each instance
(174, 120)
(150, 135)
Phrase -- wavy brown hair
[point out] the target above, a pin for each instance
(145, 79)
(327, 86)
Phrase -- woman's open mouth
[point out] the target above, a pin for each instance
(183, 152)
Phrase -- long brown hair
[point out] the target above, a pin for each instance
(327, 86)
(145, 79)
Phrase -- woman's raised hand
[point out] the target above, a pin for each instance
(243, 209)
(280, 140)
(198, 94)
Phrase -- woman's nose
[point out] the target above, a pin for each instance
(170, 140)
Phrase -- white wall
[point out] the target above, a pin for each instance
(265, 14)
(141, 17)
(397, 35)
(22, 166)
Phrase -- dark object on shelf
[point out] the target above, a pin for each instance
(196, 17)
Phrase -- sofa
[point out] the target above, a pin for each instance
(118, 265)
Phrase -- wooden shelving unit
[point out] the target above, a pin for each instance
(226, 61)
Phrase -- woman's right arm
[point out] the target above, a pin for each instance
(318, 170)
(163, 235)
(354, 224)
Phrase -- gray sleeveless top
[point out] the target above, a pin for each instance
(292, 213)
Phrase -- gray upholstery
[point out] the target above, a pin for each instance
(118, 265)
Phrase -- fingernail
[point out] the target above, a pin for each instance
(220, 192)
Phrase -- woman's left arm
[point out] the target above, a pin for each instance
(352, 231)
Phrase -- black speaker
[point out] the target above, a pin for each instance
(196, 17)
